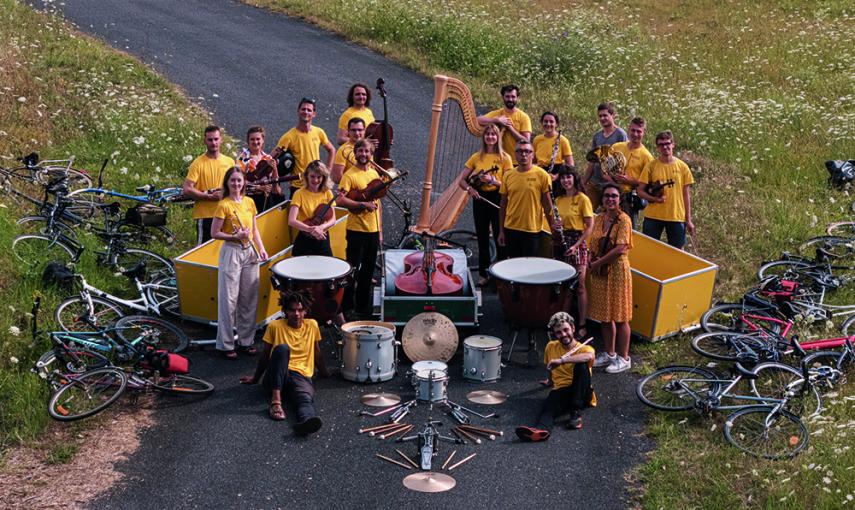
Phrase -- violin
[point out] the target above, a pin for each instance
(428, 273)
(375, 189)
(480, 177)
(655, 189)
(382, 132)
(323, 213)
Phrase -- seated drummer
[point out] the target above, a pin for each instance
(291, 353)
(570, 376)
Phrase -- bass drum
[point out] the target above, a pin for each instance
(324, 277)
(532, 289)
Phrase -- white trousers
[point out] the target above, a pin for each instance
(237, 296)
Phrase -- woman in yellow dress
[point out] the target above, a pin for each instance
(610, 285)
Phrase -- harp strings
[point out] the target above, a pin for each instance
(454, 146)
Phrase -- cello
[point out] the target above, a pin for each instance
(428, 273)
(382, 132)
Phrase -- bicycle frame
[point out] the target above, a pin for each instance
(811, 345)
(725, 393)
(157, 196)
(141, 304)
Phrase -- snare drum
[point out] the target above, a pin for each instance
(431, 385)
(482, 358)
(370, 352)
(532, 289)
(324, 277)
(426, 365)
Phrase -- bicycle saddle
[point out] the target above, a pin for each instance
(137, 272)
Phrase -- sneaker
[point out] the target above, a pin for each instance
(620, 364)
(308, 426)
(603, 359)
(575, 422)
(531, 434)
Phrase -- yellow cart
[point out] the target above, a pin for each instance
(196, 269)
(671, 288)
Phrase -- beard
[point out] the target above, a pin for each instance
(510, 105)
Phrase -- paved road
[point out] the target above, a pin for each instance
(223, 452)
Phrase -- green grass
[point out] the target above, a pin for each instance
(64, 94)
(759, 96)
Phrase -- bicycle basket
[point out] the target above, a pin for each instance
(146, 215)
(166, 362)
(56, 274)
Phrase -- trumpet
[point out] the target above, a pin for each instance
(245, 243)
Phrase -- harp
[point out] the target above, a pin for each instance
(454, 135)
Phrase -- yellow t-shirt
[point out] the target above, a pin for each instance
(543, 150)
(345, 156)
(207, 173)
(673, 209)
(491, 162)
(365, 220)
(227, 209)
(519, 120)
(307, 202)
(636, 160)
(306, 147)
(573, 211)
(524, 190)
(300, 341)
(364, 114)
(562, 376)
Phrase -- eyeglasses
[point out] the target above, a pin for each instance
(610, 195)
(524, 151)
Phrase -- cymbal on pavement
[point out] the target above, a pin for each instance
(429, 336)
(489, 397)
(429, 482)
(380, 399)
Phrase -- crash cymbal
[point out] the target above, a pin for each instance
(489, 397)
(429, 336)
(429, 482)
(380, 399)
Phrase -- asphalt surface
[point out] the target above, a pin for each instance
(223, 451)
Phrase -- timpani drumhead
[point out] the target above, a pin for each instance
(483, 342)
(533, 270)
(311, 268)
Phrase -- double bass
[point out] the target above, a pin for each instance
(382, 132)
(428, 273)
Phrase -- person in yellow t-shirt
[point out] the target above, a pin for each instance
(265, 196)
(237, 271)
(344, 156)
(515, 122)
(524, 205)
(569, 364)
(203, 178)
(577, 221)
(304, 141)
(670, 211)
(637, 156)
(312, 239)
(291, 354)
(363, 230)
(481, 178)
(358, 102)
(544, 144)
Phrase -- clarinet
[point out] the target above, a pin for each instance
(555, 215)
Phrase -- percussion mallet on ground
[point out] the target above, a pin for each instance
(448, 459)
(395, 432)
(393, 461)
(484, 430)
(460, 436)
(378, 427)
(468, 435)
(491, 437)
(462, 461)
(390, 428)
(408, 459)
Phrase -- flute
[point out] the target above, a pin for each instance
(237, 225)
(556, 216)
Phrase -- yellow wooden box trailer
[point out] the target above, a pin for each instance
(671, 288)
(196, 269)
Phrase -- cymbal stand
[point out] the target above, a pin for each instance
(428, 438)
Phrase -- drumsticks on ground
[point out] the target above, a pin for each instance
(378, 427)
(468, 435)
(462, 461)
(408, 459)
(395, 432)
(478, 431)
(393, 461)
(448, 459)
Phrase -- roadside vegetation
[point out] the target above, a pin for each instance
(759, 96)
(64, 94)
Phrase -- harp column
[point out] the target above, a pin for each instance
(440, 82)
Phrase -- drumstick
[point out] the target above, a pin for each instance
(469, 436)
(393, 461)
(491, 437)
(378, 427)
(573, 350)
(390, 433)
(409, 460)
(462, 461)
(448, 459)
(389, 428)
(485, 430)
(459, 436)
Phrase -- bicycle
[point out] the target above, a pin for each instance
(768, 426)
(94, 308)
(40, 173)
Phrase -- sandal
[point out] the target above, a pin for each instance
(275, 411)
(249, 349)
(230, 355)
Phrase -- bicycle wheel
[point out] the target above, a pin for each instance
(32, 250)
(786, 269)
(729, 317)
(162, 334)
(68, 361)
(763, 432)
(727, 346)
(848, 326)
(156, 266)
(826, 368)
(676, 388)
(87, 394)
(163, 293)
(841, 229)
(178, 384)
(74, 314)
(146, 235)
(778, 381)
(39, 225)
(74, 179)
(834, 247)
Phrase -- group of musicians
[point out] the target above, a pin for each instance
(514, 207)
